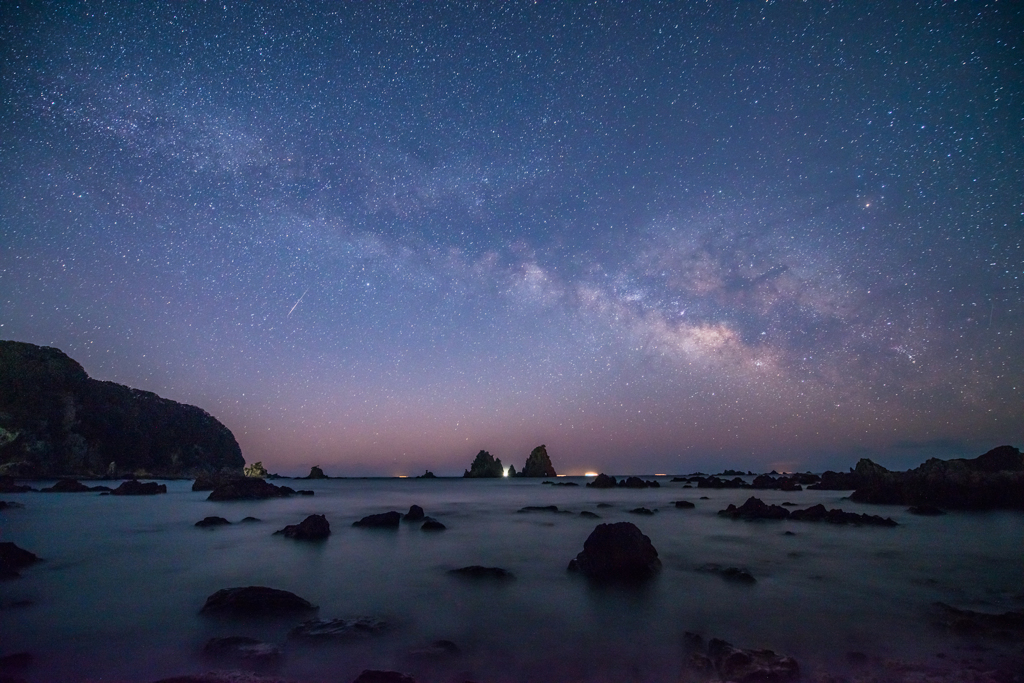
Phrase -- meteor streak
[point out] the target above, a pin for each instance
(296, 303)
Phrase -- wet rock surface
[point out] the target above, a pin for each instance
(384, 520)
(313, 528)
(478, 572)
(722, 661)
(255, 601)
(355, 628)
(617, 552)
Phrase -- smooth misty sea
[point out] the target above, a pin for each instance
(124, 578)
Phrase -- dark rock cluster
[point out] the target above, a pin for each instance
(485, 465)
(58, 421)
(133, 487)
(477, 572)
(384, 520)
(755, 508)
(605, 481)
(313, 528)
(728, 663)
(72, 486)
(247, 488)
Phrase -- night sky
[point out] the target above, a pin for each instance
(656, 237)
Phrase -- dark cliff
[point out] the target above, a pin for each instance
(55, 420)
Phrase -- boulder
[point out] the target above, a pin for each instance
(485, 465)
(415, 514)
(716, 483)
(248, 488)
(589, 514)
(253, 601)
(538, 464)
(316, 473)
(755, 508)
(13, 558)
(477, 572)
(356, 628)
(385, 520)
(430, 524)
(244, 649)
(603, 481)
(684, 505)
(251, 519)
(313, 528)
(642, 511)
(539, 508)
(133, 487)
(751, 666)
(617, 552)
(212, 521)
(375, 676)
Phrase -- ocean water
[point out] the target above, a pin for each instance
(124, 578)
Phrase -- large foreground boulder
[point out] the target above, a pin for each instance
(57, 421)
(617, 552)
(249, 488)
(255, 601)
(313, 528)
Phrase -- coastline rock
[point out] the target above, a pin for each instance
(385, 520)
(248, 488)
(766, 481)
(642, 511)
(477, 572)
(733, 574)
(13, 558)
(255, 601)
(538, 464)
(617, 552)
(212, 521)
(427, 474)
(818, 513)
(313, 528)
(430, 524)
(603, 481)
(415, 514)
(751, 666)
(439, 649)
(485, 465)
(8, 485)
(755, 508)
(72, 486)
(1007, 625)
(375, 676)
(684, 505)
(339, 629)
(589, 514)
(638, 483)
(316, 473)
(59, 421)
(133, 487)
(243, 648)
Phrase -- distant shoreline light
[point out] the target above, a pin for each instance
(590, 474)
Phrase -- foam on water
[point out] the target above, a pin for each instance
(118, 597)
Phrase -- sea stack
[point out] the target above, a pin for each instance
(538, 464)
(485, 465)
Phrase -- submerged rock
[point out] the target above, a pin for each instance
(431, 524)
(212, 521)
(477, 572)
(243, 648)
(439, 649)
(255, 601)
(248, 488)
(375, 676)
(385, 520)
(340, 629)
(72, 486)
(617, 552)
(733, 574)
(755, 508)
(313, 528)
(684, 505)
(133, 487)
(415, 514)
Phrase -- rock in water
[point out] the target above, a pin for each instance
(538, 464)
(374, 676)
(603, 481)
(340, 629)
(385, 520)
(64, 423)
(430, 524)
(313, 528)
(248, 488)
(255, 601)
(7, 485)
(477, 572)
(13, 558)
(755, 508)
(485, 465)
(212, 521)
(415, 514)
(617, 552)
(243, 648)
(68, 486)
(138, 488)
(684, 505)
(316, 473)
(751, 666)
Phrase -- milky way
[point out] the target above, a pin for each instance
(381, 236)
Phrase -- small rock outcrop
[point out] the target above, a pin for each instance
(684, 505)
(755, 508)
(244, 649)
(603, 481)
(212, 522)
(72, 486)
(254, 601)
(818, 513)
(477, 572)
(617, 552)
(431, 524)
(248, 488)
(415, 514)
(642, 511)
(13, 558)
(730, 663)
(316, 473)
(733, 574)
(427, 474)
(133, 487)
(538, 464)
(313, 528)
(485, 465)
(340, 629)
(384, 520)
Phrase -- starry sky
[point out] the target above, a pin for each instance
(656, 237)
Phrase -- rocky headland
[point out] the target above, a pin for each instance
(57, 421)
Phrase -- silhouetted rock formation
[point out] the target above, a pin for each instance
(539, 508)
(430, 524)
(429, 475)
(755, 508)
(316, 473)
(477, 572)
(55, 420)
(8, 485)
(72, 486)
(716, 483)
(255, 601)
(993, 480)
(642, 511)
(538, 464)
(729, 663)
(385, 520)
(313, 528)
(617, 552)
(13, 558)
(733, 574)
(684, 505)
(485, 465)
(212, 521)
(340, 629)
(415, 514)
(638, 483)
(766, 481)
(603, 481)
(133, 487)
(248, 488)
